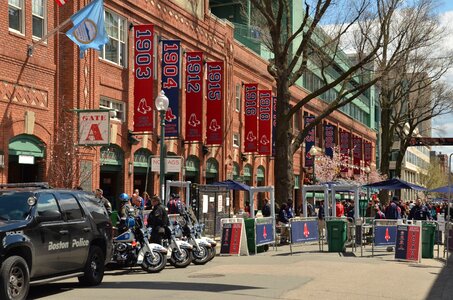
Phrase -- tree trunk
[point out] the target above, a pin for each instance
(386, 147)
(283, 168)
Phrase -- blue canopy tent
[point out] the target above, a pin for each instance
(395, 184)
(233, 185)
(442, 189)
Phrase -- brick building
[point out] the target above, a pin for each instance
(37, 90)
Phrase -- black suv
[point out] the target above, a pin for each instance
(49, 234)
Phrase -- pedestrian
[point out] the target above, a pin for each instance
(289, 209)
(393, 211)
(339, 209)
(321, 219)
(147, 201)
(266, 210)
(103, 201)
(283, 222)
(172, 205)
(419, 211)
(158, 221)
(379, 215)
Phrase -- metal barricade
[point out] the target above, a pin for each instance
(304, 230)
(384, 233)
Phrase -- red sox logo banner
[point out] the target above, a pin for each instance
(344, 148)
(214, 106)
(143, 79)
(250, 120)
(194, 96)
(265, 114)
(329, 139)
(367, 152)
(309, 141)
(274, 123)
(171, 85)
(357, 153)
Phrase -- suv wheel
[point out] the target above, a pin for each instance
(14, 279)
(94, 268)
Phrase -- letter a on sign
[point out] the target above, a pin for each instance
(94, 134)
(94, 127)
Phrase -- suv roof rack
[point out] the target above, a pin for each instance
(43, 185)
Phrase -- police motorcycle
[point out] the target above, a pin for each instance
(132, 247)
(179, 252)
(198, 234)
(202, 252)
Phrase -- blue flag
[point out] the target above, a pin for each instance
(89, 30)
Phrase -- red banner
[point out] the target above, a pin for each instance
(214, 107)
(274, 123)
(344, 148)
(309, 140)
(367, 153)
(250, 119)
(357, 153)
(143, 80)
(265, 122)
(194, 96)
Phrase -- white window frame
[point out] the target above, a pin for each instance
(114, 111)
(236, 140)
(22, 12)
(44, 20)
(122, 25)
(238, 96)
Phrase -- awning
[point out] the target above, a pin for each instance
(192, 165)
(247, 172)
(395, 184)
(260, 173)
(26, 145)
(211, 166)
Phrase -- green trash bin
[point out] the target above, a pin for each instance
(250, 233)
(428, 237)
(336, 235)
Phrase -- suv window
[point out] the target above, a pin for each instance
(46, 201)
(93, 205)
(70, 206)
(14, 206)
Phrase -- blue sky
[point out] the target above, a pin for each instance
(443, 125)
(446, 5)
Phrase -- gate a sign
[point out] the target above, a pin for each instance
(94, 127)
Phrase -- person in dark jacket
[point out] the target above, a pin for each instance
(158, 221)
(266, 210)
(283, 222)
(419, 211)
(393, 211)
(99, 194)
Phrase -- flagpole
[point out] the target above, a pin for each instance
(44, 38)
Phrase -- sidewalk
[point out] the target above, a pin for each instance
(323, 275)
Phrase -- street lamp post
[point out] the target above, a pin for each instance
(314, 151)
(161, 103)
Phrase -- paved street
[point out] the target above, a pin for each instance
(273, 275)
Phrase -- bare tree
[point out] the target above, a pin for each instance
(370, 30)
(412, 94)
(66, 169)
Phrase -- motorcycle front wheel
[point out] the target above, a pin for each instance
(202, 256)
(156, 264)
(181, 259)
(212, 253)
